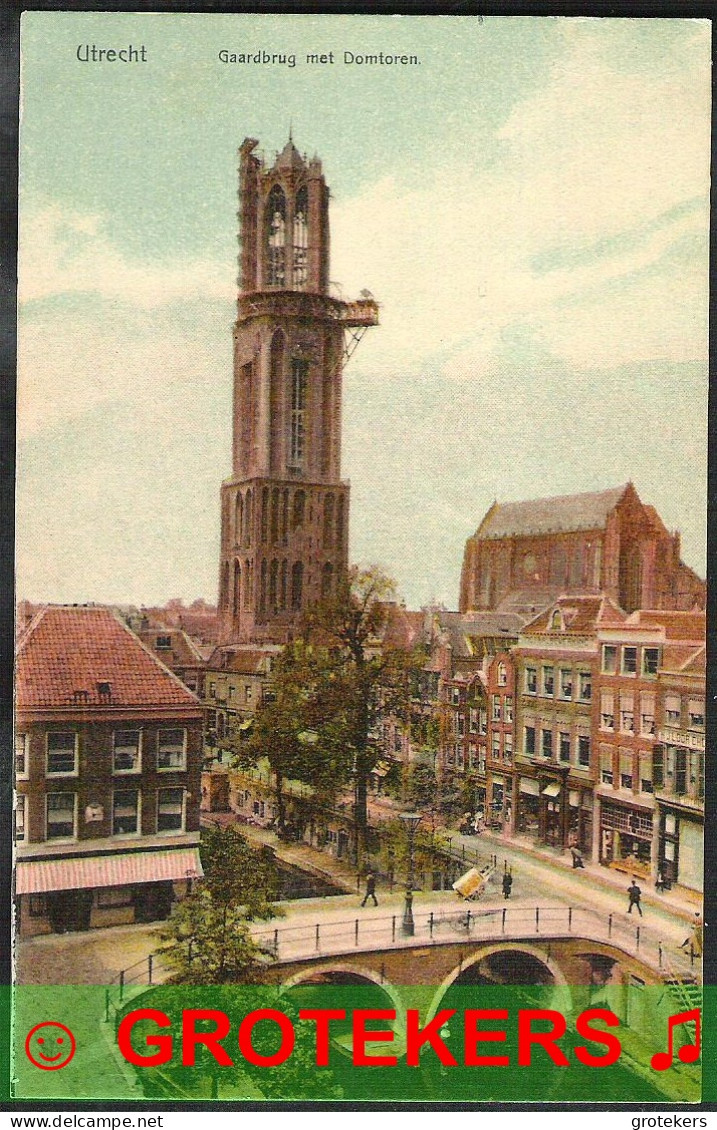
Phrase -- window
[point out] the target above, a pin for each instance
(455, 696)
(529, 740)
(495, 748)
(164, 643)
(673, 709)
(658, 767)
(496, 708)
(696, 712)
(508, 748)
(483, 724)
(247, 693)
(213, 690)
(20, 811)
(609, 658)
(607, 710)
(606, 776)
(38, 906)
(472, 756)
(647, 714)
(548, 681)
(547, 744)
(502, 675)
(108, 897)
(301, 238)
(125, 812)
(625, 769)
(297, 434)
(627, 714)
(531, 680)
(566, 683)
(584, 686)
(21, 763)
(127, 751)
(650, 660)
(460, 725)
(564, 746)
(276, 237)
(61, 753)
(170, 810)
(584, 750)
(645, 772)
(61, 816)
(473, 724)
(508, 708)
(481, 759)
(629, 660)
(171, 749)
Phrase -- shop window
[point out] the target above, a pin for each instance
(609, 659)
(650, 660)
(171, 749)
(126, 755)
(61, 816)
(170, 810)
(548, 681)
(61, 753)
(629, 660)
(108, 897)
(125, 812)
(531, 680)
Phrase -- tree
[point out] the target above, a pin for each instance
(369, 675)
(209, 941)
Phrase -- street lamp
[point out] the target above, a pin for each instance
(411, 820)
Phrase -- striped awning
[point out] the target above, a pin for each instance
(40, 876)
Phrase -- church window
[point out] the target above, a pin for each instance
(297, 582)
(237, 587)
(275, 516)
(282, 585)
(299, 509)
(274, 585)
(299, 381)
(264, 513)
(238, 506)
(276, 237)
(248, 517)
(262, 587)
(340, 524)
(301, 238)
(327, 579)
(284, 516)
(328, 520)
(249, 583)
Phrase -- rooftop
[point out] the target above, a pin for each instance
(561, 514)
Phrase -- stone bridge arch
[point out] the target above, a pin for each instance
(312, 974)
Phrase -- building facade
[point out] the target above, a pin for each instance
(285, 509)
(601, 542)
(108, 746)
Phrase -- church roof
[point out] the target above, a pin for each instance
(561, 514)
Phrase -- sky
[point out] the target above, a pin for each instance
(528, 204)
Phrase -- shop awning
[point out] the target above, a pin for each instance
(244, 726)
(36, 877)
(530, 785)
(381, 769)
(553, 789)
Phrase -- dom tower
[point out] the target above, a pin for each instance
(285, 510)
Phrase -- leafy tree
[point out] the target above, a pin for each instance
(209, 941)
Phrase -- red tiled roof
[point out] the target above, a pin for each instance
(68, 651)
(684, 658)
(677, 625)
(581, 614)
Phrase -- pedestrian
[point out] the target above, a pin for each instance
(370, 889)
(577, 859)
(634, 893)
(507, 884)
(693, 941)
(660, 880)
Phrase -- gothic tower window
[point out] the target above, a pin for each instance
(248, 517)
(297, 584)
(276, 380)
(284, 517)
(282, 585)
(264, 514)
(238, 508)
(237, 588)
(328, 520)
(299, 509)
(297, 436)
(248, 583)
(301, 238)
(276, 237)
(327, 579)
(262, 586)
(275, 516)
(225, 585)
(274, 586)
(340, 523)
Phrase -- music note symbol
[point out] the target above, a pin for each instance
(689, 1053)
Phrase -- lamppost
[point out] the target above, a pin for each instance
(411, 820)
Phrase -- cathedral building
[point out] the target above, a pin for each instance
(285, 509)
(525, 554)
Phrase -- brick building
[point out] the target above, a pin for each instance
(285, 509)
(602, 542)
(108, 760)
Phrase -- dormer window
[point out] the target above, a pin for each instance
(104, 690)
(164, 643)
(556, 621)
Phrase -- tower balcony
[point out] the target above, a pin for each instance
(360, 314)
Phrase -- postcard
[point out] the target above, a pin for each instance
(362, 480)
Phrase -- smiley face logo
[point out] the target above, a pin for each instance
(50, 1045)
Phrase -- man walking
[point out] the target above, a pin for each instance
(507, 884)
(634, 893)
(370, 889)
